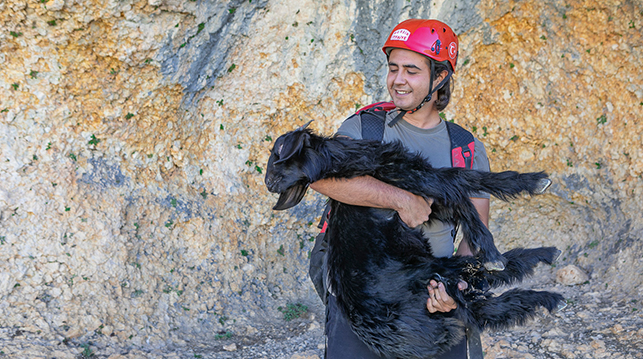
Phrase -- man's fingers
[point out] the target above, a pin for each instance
(430, 307)
(441, 295)
(442, 290)
(439, 300)
(430, 300)
(437, 296)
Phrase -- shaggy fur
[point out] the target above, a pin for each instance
(379, 268)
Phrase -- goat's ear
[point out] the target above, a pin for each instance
(291, 197)
(292, 144)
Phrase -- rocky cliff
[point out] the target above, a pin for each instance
(134, 137)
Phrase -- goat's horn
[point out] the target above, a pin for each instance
(305, 125)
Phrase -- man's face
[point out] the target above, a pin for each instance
(408, 78)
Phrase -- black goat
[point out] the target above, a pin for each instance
(379, 268)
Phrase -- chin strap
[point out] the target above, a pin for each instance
(427, 98)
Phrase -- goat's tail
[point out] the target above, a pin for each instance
(513, 307)
(508, 184)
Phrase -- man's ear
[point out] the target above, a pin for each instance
(441, 76)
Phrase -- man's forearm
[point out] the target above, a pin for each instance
(369, 192)
(362, 191)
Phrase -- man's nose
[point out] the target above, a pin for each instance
(400, 79)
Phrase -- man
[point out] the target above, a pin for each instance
(422, 55)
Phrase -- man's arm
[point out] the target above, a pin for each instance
(369, 192)
(439, 300)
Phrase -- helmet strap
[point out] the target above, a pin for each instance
(428, 97)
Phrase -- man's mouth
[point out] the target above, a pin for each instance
(400, 92)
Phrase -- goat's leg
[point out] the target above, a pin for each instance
(452, 205)
(520, 264)
(513, 307)
(478, 236)
(502, 185)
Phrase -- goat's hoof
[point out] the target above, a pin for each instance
(557, 255)
(542, 186)
(495, 266)
(561, 306)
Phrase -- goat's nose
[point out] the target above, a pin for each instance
(271, 183)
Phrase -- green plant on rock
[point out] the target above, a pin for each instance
(293, 311)
(93, 140)
(223, 335)
(601, 120)
(87, 351)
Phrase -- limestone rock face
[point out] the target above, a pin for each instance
(134, 137)
(571, 275)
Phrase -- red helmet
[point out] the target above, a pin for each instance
(431, 38)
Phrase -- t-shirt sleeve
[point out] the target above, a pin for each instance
(480, 163)
(351, 127)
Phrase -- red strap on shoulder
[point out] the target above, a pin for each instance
(378, 106)
(463, 158)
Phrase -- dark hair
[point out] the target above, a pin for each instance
(444, 93)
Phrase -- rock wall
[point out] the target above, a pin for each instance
(134, 137)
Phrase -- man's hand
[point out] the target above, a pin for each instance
(415, 210)
(439, 300)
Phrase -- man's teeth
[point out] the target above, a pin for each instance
(403, 92)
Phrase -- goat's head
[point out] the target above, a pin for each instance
(286, 172)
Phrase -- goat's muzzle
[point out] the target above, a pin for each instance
(272, 182)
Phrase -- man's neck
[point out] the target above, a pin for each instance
(426, 117)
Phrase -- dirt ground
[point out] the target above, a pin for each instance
(595, 324)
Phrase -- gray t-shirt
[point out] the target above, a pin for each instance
(434, 145)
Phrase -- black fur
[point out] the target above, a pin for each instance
(301, 157)
(379, 268)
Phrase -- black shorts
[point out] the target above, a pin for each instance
(342, 343)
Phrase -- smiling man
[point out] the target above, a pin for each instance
(422, 56)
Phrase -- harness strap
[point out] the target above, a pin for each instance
(323, 222)
(462, 146)
(373, 118)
